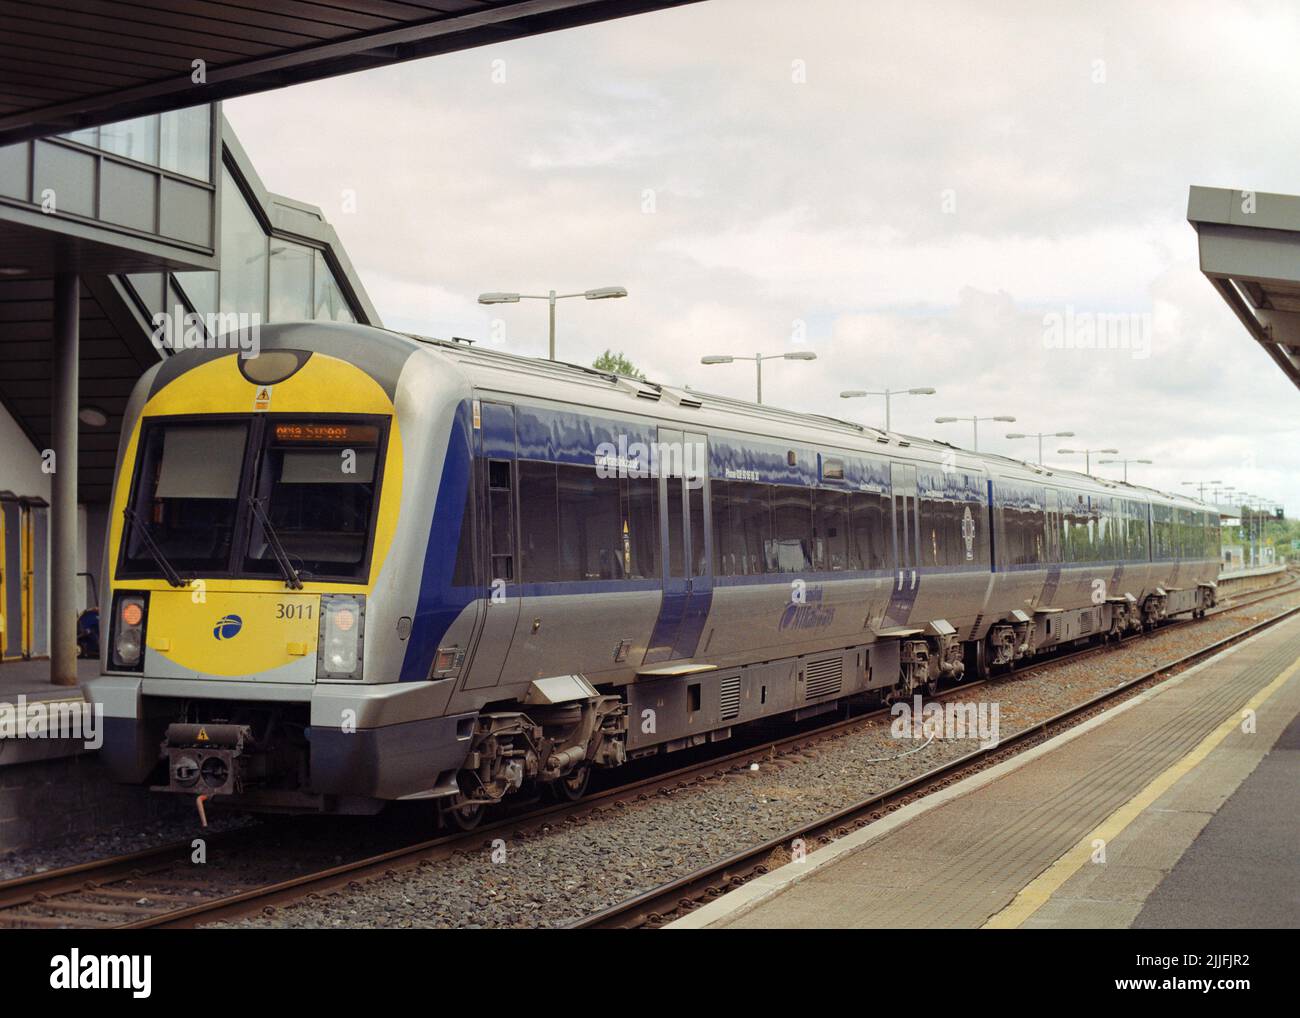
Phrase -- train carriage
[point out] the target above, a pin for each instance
(362, 566)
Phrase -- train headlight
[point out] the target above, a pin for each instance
(129, 613)
(342, 618)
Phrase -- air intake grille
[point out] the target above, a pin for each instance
(1087, 622)
(976, 628)
(729, 698)
(823, 677)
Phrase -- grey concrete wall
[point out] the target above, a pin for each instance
(53, 800)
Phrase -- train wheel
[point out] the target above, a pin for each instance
(465, 818)
(573, 786)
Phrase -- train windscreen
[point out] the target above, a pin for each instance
(186, 497)
(317, 482)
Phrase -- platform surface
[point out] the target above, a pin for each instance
(1159, 812)
(30, 681)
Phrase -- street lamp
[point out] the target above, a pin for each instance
(758, 359)
(1040, 435)
(853, 393)
(1087, 456)
(1201, 486)
(1126, 463)
(600, 293)
(975, 422)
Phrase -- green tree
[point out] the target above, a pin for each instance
(617, 363)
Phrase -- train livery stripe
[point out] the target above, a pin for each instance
(440, 603)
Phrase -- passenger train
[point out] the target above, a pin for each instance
(362, 566)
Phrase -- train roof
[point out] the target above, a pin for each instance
(382, 352)
(498, 370)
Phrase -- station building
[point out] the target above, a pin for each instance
(162, 214)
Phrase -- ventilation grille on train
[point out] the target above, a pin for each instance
(974, 630)
(729, 698)
(1087, 622)
(823, 677)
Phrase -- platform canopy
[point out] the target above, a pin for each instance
(1250, 252)
(71, 64)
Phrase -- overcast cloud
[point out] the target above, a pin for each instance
(911, 191)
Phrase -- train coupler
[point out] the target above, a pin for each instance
(206, 759)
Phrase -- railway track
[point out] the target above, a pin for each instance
(163, 888)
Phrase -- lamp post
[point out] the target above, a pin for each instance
(1201, 486)
(1126, 463)
(975, 422)
(887, 393)
(600, 293)
(758, 359)
(1040, 435)
(1087, 456)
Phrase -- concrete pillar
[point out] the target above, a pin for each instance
(65, 402)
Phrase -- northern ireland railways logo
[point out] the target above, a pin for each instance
(806, 611)
(227, 627)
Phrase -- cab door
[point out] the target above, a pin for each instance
(496, 478)
(686, 546)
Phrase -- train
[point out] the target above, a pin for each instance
(362, 567)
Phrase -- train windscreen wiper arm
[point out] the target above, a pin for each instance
(141, 527)
(291, 577)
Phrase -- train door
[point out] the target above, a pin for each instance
(686, 546)
(902, 481)
(902, 478)
(496, 477)
(11, 578)
(36, 535)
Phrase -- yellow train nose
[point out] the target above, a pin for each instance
(268, 635)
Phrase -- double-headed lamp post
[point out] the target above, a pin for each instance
(600, 293)
(975, 421)
(1200, 486)
(1040, 435)
(1126, 463)
(758, 359)
(1087, 455)
(853, 393)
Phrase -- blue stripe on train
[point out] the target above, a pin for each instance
(439, 602)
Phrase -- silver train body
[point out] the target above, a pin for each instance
(566, 569)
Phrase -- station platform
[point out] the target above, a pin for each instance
(30, 681)
(1162, 812)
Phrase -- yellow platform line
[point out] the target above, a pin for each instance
(1036, 893)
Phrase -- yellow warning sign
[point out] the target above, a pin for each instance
(262, 398)
(203, 735)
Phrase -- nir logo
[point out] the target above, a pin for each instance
(228, 627)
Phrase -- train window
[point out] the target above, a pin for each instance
(742, 527)
(538, 537)
(695, 499)
(501, 523)
(317, 483)
(1024, 526)
(867, 543)
(640, 529)
(590, 516)
(789, 551)
(676, 528)
(187, 497)
(830, 530)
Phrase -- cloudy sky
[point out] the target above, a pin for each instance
(918, 193)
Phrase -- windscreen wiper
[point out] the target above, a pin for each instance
(141, 526)
(291, 577)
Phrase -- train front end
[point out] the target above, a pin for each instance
(251, 634)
